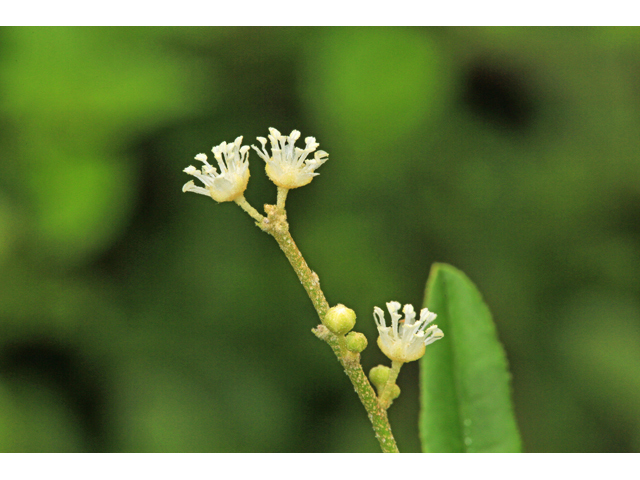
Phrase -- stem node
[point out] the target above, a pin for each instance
(275, 224)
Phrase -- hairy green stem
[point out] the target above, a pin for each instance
(385, 395)
(248, 208)
(275, 224)
(282, 197)
(351, 364)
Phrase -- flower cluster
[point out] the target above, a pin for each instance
(287, 166)
(405, 340)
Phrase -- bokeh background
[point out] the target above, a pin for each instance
(134, 317)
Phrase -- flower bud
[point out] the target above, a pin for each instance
(340, 319)
(379, 376)
(356, 342)
(394, 392)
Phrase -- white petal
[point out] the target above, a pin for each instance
(409, 314)
(276, 134)
(427, 316)
(188, 186)
(378, 316)
(191, 187)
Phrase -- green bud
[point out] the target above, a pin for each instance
(356, 342)
(394, 392)
(379, 376)
(340, 319)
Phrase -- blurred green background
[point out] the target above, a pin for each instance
(134, 317)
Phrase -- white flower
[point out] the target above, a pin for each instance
(232, 180)
(405, 340)
(288, 166)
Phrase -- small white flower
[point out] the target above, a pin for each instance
(405, 340)
(232, 180)
(288, 166)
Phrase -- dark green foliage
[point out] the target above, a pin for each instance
(512, 153)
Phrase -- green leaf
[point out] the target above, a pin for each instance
(464, 378)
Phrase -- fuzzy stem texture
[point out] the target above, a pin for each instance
(242, 202)
(351, 363)
(385, 395)
(282, 197)
(276, 225)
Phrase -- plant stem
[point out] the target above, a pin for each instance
(282, 197)
(351, 364)
(385, 395)
(248, 208)
(277, 226)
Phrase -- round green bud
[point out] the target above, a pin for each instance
(394, 392)
(356, 342)
(379, 376)
(340, 319)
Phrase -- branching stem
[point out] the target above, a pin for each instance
(351, 364)
(276, 225)
(248, 208)
(385, 395)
